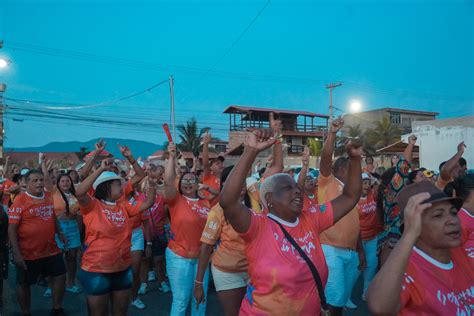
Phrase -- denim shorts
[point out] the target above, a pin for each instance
(71, 232)
(97, 283)
(138, 240)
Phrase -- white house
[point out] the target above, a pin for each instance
(438, 140)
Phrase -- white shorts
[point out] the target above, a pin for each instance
(138, 241)
(228, 280)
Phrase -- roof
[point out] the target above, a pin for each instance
(402, 111)
(397, 147)
(238, 108)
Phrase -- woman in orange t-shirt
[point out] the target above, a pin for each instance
(188, 214)
(427, 273)
(106, 273)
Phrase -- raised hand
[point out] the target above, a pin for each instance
(306, 156)
(336, 125)
(275, 124)
(412, 140)
(106, 164)
(412, 214)
(100, 146)
(461, 147)
(259, 139)
(207, 138)
(172, 150)
(125, 151)
(354, 148)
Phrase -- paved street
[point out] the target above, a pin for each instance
(157, 302)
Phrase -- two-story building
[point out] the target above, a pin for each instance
(298, 126)
(401, 118)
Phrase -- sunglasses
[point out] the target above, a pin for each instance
(189, 181)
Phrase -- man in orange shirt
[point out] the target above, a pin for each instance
(32, 226)
(342, 245)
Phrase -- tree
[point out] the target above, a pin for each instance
(384, 133)
(315, 147)
(190, 136)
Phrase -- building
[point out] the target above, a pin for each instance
(298, 126)
(399, 117)
(438, 140)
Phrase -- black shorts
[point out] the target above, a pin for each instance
(159, 245)
(97, 283)
(49, 266)
(4, 262)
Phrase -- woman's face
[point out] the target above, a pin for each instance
(116, 189)
(286, 198)
(441, 227)
(309, 183)
(65, 184)
(366, 186)
(74, 176)
(189, 185)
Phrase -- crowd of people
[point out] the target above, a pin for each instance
(271, 241)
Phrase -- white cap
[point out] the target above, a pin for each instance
(365, 176)
(104, 177)
(24, 171)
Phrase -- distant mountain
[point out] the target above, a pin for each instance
(139, 148)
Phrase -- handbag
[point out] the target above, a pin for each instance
(317, 278)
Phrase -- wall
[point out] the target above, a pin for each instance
(438, 140)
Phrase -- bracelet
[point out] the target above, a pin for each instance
(149, 243)
(198, 282)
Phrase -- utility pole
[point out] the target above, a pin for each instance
(331, 86)
(3, 88)
(172, 107)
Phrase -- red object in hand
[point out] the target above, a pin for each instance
(167, 131)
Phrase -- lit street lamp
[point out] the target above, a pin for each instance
(4, 63)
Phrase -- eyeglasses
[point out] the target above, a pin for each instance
(189, 181)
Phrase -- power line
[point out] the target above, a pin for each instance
(237, 39)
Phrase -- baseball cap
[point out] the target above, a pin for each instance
(104, 177)
(436, 195)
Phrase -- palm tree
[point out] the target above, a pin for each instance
(315, 146)
(384, 133)
(190, 136)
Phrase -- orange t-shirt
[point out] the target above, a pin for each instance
(108, 235)
(230, 253)
(7, 184)
(60, 205)
(188, 217)
(441, 183)
(136, 221)
(214, 183)
(433, 288)
(370, 225)
(36, 225)
(345, 233)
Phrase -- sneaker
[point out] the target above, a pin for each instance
(143, 288)
(138, 303)
(151, 276)
(164, 287)
(350, 305)
(74, 289)
(47, 293)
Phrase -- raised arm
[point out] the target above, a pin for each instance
(139, 172)
(304, 169)
(383, 295)
(277, 161)
(85, 171)
(150, 195)
(235, 212)
(169, 189)
(353, 186)
(452, 163)
(196, 165)
(48, 185)
(205, 154)
(84, 187)
(408, 153)
(325, 167)
(6, 168)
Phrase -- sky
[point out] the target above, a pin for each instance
(407, 54)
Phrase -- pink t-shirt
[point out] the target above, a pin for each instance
(433, 288)
(281, 281)
(467, 223)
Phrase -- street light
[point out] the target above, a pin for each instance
(355, 106)
(4, 63)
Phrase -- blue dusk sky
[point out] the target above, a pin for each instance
(80, 57)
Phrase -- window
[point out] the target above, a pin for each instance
(395, 118)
